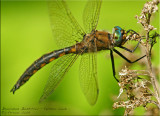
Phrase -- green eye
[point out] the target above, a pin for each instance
(116, 35)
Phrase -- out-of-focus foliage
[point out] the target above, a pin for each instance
(26, 35)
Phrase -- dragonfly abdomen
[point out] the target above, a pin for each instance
(41, 62)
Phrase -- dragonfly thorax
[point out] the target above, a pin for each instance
(95, 41)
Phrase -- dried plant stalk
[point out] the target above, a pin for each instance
(136, 88)
(145, 17)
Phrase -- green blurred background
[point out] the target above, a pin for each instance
(26, 35)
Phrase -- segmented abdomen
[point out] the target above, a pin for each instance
(38, 64)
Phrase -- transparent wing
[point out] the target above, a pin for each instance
(57, 73)
(66, 30)
(91, 15)
(88, 77)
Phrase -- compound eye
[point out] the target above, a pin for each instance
(116, 35)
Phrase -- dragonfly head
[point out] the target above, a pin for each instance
(119, 36)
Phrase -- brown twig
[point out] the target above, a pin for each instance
(149, 8)
(138, 92)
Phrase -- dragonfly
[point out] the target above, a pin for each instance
(74, 42)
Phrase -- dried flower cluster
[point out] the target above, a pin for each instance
(133, 36)
(136, 89)
(149, 8)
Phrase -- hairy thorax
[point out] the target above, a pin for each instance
(95, 41)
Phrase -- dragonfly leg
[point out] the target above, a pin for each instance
(130, 30)
(113, 66)
(133, 32)
(129, 49)
(127, 58)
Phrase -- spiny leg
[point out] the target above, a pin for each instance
(113, 66)
(130, 30)
(127, 58)
(129, 49)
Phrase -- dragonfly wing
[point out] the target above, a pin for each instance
(88, 77)
(65, 28)
(91, 15)
(57, 73)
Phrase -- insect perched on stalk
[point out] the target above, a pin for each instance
(76, 42)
